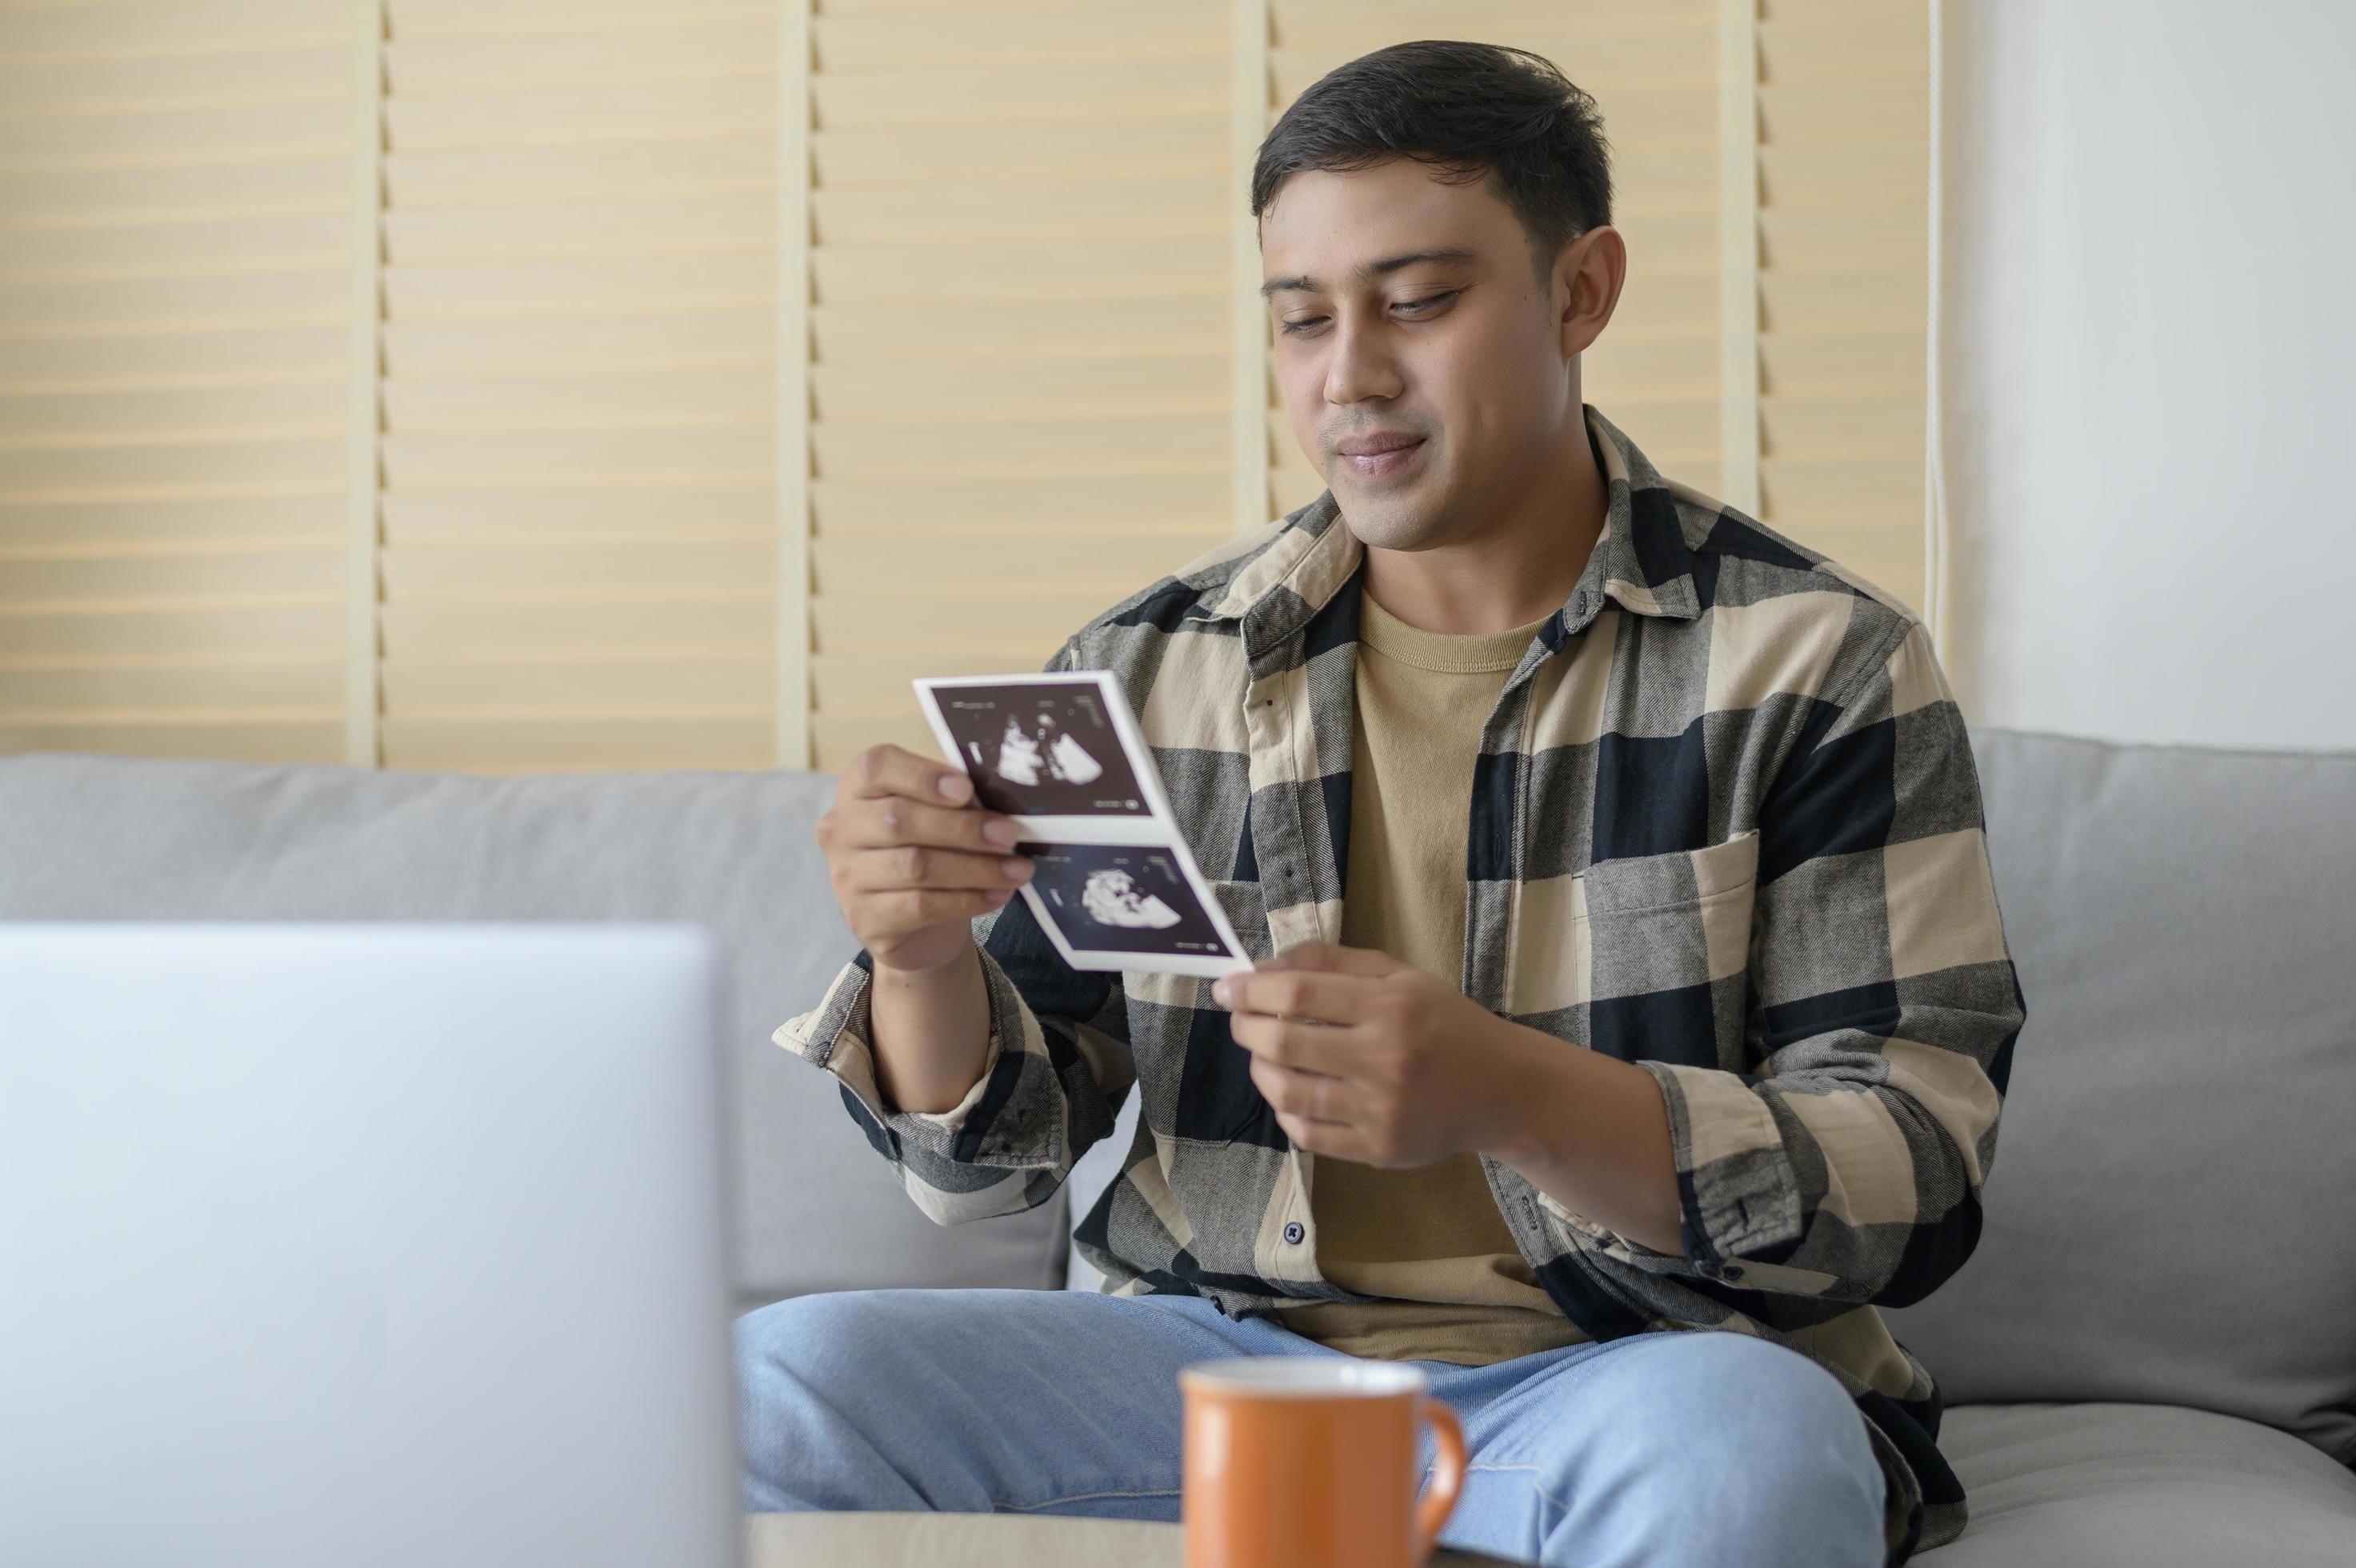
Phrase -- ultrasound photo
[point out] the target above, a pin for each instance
(1041, 750)
(1122, 898)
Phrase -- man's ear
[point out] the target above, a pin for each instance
(1588, 279)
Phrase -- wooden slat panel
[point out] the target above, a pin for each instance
(164, 576)
(715, 333)
(1496, 21)
(60, 250)
(1161, 444)
(307, 628)
(474, 571)
(836, 738)
(314, 405)
(1060, 387)
(431, 689)
(34, 360)
(719, 395)
(843, 506)
(233, 738)
(1083, 91)
(67, 84)
(742, 163)
(740, 621)
(535, 456)
(580, 512)
(88, 691)
(650, 48)
(298, 295)
(1821, 426)
(689, 110)
(530, 740)
(128, 468)
(579, 393)
(194, 522)
(1845, 359)
(920, 331)
(1843, 176)
(1016, 151)
(1091, 265)
(318, 181)
(630, 283)
(1096, 555)
(182, 27)
(313, 126)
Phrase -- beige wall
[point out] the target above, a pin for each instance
(553, 385)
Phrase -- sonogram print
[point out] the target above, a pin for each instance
(1041, 751)
(1120, 898)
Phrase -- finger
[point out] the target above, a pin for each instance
(1294, 1042)
(911, 908)
(904, 867)
(1335, 1139)
(887, 769)
(1315, 1096)
(1342, 999)
(897, 819)
(1333, 957)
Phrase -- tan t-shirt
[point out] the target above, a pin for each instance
(1427, 1238)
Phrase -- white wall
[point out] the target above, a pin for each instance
(2149, 278)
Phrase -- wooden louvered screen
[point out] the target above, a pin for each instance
(1019, 330)
(580, 364)
(1654, 71)
(588, 383)
(178, 216)
(1844, 159)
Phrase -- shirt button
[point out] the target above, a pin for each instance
(1293, 1233)
(1727, 1271)
(1579, 602)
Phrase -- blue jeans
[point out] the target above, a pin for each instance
(1690, 1448)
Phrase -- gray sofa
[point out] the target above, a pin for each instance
(2150, 1359)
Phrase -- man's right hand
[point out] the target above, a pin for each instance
(914, 858)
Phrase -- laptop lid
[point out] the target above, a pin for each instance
(363, 1244)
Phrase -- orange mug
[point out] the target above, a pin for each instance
(1310, 1462)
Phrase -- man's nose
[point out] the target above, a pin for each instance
(1362, 365)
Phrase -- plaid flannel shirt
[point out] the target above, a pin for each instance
(1725, 825)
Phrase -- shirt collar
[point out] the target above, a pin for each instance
(1641, 561)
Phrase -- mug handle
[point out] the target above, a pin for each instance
(1447, 1475)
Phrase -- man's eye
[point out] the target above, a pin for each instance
(1305, 323)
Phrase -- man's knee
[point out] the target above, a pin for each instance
(1748, 1451)
(814, 1374)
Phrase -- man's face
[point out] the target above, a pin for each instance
(1466, 353)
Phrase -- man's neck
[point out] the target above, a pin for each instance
(1519, 566)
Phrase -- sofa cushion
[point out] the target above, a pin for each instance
(2170, 1216)
(101, 837)
(2050, 1487)
(2072, 1486)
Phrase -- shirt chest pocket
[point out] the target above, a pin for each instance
(1653, 949)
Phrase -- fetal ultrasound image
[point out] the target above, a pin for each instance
(1042, 751)
(1130, 898)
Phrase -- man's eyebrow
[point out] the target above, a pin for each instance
(1372, 270)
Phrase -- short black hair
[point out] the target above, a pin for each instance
(1471, 110)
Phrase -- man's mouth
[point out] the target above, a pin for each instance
(1392, 457)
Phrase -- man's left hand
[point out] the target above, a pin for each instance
(1366, 1058)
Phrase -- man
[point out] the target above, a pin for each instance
(1628, 959)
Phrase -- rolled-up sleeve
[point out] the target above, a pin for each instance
(1051, 1081)
(1055, 1073)
(1848, 1162)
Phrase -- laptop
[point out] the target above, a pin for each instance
(363, 1244)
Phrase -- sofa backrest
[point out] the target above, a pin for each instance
(2171, 1216)
(99, 837)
